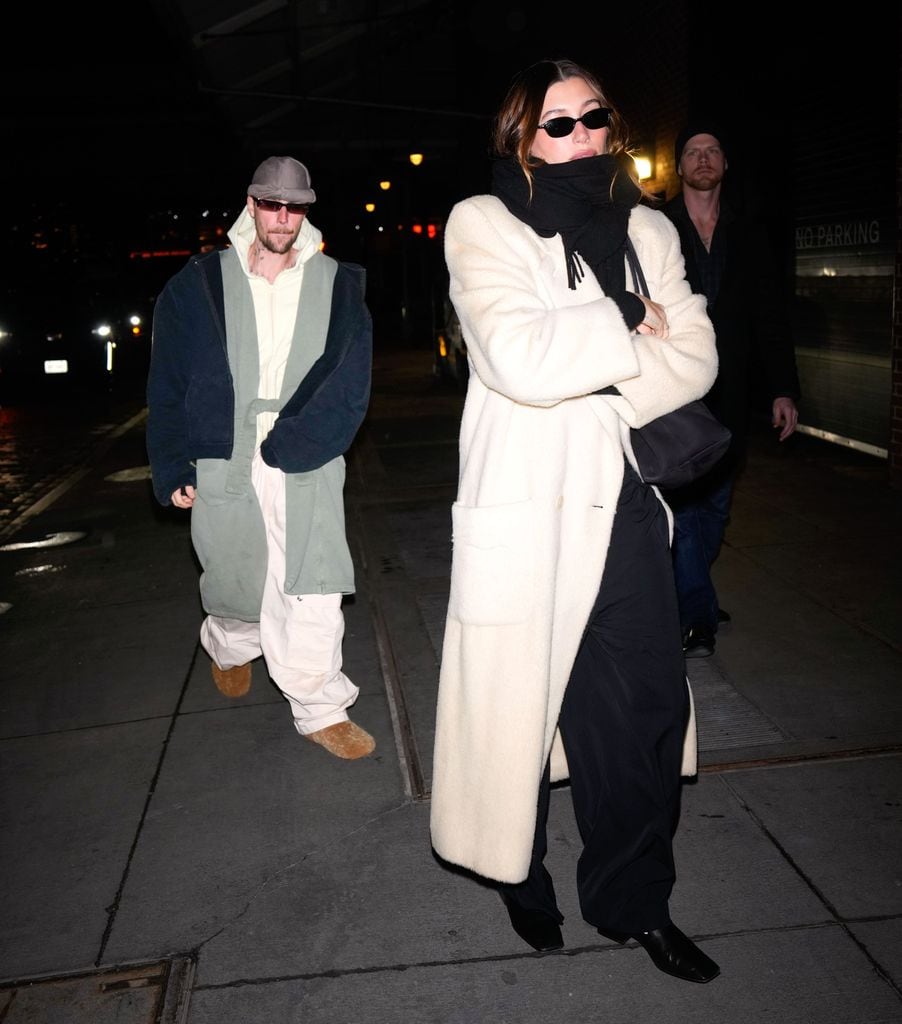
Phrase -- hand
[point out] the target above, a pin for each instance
(655, 320)
(785, 416)
(184, 497)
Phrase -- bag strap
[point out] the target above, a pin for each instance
(640, 286)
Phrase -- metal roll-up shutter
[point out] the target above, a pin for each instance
(844, 245)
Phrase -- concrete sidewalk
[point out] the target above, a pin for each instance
(170, 855)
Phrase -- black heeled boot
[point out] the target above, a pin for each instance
(672, 952)
(535, 927)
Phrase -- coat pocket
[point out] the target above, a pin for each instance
(492, 564)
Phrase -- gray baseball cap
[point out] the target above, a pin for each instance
(284, 178)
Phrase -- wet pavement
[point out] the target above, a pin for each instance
(42, 444)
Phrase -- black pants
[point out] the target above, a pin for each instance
(622, 722)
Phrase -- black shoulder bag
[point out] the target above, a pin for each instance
(682, 445)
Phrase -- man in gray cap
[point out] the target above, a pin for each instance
(729, 260)
(259, 380)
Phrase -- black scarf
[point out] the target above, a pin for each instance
(586, 201)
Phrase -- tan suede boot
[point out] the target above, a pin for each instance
(344, 739)
(233, 682)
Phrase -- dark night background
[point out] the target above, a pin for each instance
(117, 116)
(116, 102)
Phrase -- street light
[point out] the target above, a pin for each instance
(643, 167)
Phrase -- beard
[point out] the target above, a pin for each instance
(278, 240)
(704, 180)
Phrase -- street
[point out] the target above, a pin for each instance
(43, 444)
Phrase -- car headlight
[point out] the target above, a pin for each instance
(103, 330)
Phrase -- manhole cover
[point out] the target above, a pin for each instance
(155, 993)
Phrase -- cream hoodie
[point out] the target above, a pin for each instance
(275, 307)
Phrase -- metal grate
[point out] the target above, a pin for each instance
(724, 718)
(148, 993)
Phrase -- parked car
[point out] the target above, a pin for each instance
(60, 337)
(450, 349)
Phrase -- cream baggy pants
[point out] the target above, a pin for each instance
(298, 635)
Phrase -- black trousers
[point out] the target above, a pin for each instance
(622, 723)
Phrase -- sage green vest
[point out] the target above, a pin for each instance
(227, 527)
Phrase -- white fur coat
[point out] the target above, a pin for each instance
(541, 464)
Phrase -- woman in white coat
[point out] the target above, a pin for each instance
(562, 654)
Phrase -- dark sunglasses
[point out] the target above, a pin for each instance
(558, 127)
(273, 206)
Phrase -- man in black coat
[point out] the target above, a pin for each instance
(729, 260)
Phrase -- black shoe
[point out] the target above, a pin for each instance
(723, 617)
(676, 954)
(698, 642)
(536, 928)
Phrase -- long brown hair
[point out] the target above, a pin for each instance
(517, 120)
